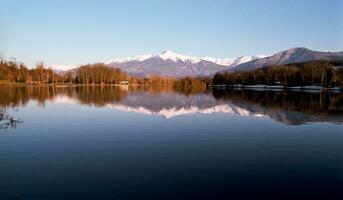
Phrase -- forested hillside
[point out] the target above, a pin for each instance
(321, 73)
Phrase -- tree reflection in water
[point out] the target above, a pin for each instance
(288, 107)
(310, 102)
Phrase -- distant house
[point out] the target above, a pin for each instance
(126, 82)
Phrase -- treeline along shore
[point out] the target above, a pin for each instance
(17, 73)
(14, 73)
(325, 74)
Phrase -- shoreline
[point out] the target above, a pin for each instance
(279, 87)
(58, 84)
(238, 86)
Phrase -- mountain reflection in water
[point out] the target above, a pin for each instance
(288, 107)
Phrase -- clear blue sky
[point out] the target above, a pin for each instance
(81, 31)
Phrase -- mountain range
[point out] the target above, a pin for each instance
(290, 56)
(173, 64)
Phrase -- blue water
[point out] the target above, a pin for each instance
(71, 148)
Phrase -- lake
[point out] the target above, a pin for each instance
(148, 143)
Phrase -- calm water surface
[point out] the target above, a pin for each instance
(125, 143)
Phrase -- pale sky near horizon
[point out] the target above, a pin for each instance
(82, 31)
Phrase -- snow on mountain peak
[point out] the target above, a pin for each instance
(169, 55)
(166, 55)
(231, 62)
(172, 56)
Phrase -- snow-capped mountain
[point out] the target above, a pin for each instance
(173, 64)
(232, 62)
(166, 55)
(169, 64)
(293, 55)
